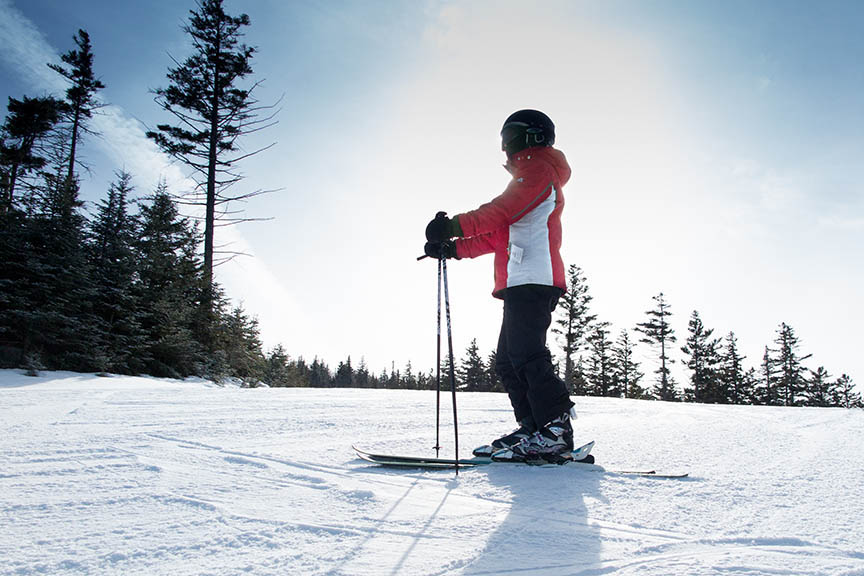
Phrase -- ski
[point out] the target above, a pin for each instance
(580, 453)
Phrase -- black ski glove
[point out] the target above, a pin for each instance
(446, 249)
(442, 228)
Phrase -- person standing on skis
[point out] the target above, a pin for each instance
(522, 227)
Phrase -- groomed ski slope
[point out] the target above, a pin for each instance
(142, 476)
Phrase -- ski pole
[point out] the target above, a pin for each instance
(452, 372)
(438, 371)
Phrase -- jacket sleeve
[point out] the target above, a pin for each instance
(523, 194)
(475, 246)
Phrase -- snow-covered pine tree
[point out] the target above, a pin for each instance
(703, 363)
(659, 333)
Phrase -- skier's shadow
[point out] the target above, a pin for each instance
(547, 530)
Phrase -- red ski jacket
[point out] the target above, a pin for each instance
(522, 226)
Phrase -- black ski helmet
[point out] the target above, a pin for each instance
(525, 129)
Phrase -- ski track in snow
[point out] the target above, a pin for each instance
(142, 476)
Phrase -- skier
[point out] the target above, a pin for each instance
(522, 227)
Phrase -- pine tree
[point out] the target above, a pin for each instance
(847, 396)
(319, 374)
(627, 374)
(574, 324)
(344, 375)
(212, 112)
(170, 290)
(601, 363)
(55, 319)
(658, 332)
(409, 380)
(766, 390)
(361, 375)
(114, 270)
(821, 391)
(81, 95)
(21, 141)
(791, 382)
(747, 392)
(277, 371)
(732, 373)
(470, 372)
(703, 363)
(240, 343)
(493, 381)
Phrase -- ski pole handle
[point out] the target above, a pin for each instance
(422, 257)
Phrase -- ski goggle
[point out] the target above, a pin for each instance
(512, 131)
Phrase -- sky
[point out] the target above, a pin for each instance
(716, 152)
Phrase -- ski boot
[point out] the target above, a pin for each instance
(551, 443)
(525, 430)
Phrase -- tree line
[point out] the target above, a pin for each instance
(594, 364)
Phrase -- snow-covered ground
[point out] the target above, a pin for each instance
(141, 476)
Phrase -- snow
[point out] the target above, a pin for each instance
(126, 475)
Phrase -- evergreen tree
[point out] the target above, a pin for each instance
(703, 363)
(361, 375)
(766, 390)
(81, 95)
(240, 344)
(821, 391)
(471, 373)
(344, 375)
(747, 393)
(53, 316)
(114, 270)
(627, 374)
(493, 382)
(26, 126)
(791, 382)
(659, 333)
(574, 325)
(169, 289)
(601, 362)
(212, 112)
(319, 374)
(409, 380)
(277, 370)
(737, 388)
(847, 396)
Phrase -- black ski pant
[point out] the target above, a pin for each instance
(523, 362)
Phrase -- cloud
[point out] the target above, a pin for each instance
(23, 48)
